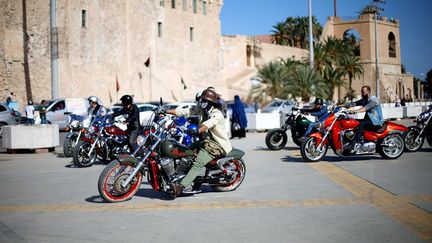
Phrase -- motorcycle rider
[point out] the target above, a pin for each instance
(95, 109)
(373, 119)
(213, 122)
(132, 118)
(320, 111)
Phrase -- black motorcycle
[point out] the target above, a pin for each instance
(76, 131)
(276, 139)
(416, 135)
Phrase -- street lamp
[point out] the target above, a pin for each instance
(376, 10)
(311, 48)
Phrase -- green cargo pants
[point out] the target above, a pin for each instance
(201, 160)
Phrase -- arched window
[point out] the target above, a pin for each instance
(352, 37)
(392, 45)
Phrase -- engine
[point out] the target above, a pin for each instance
(175, 168)
(364, 148)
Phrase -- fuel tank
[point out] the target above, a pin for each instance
(113, 130)
(346, 124)
(173, 149)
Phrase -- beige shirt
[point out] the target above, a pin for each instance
(215, 124)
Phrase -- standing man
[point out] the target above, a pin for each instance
(373, 119)
(42, 112)
(29, 110)
(209, 110)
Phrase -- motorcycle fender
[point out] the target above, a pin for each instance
(71, 135)
(124, 158)
(86, 139)
(317, 135)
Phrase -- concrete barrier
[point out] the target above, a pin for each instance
(30, 136)
(263, 121)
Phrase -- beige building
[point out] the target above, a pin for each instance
(392, 82)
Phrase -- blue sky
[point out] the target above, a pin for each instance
(255, 17)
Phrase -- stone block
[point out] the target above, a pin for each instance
(30, 136)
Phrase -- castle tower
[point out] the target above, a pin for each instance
(392, 82)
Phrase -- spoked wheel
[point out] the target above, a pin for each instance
(68, 146)
(236, 171)
(310, 152)
(392, 146)
(413, 141)
(81, 158)
(111, 179)
(276, 139)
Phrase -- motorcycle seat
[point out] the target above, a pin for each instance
(236, 153)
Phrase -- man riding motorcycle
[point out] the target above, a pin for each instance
(95, 109)
(211, 121)
(373, 119)
(320, 111)
(132, 118)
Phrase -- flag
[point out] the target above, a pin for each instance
(110, 97)
(147, 63)
(117, 84)
(183, 83)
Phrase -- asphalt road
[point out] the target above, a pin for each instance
(44, 198)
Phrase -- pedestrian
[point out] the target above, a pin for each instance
(42, 112)
(29, 109)
(238, 119)
(403, 101)
(398, 102)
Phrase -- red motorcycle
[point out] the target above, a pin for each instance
(338, 131)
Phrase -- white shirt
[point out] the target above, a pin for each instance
(29, 111)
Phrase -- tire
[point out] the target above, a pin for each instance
(68, 146)
(80, 157)
(236, 166)
(411, 145)
(276, 139)
(309, 152)
(109, 183)
(392, 146)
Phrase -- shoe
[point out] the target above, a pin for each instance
(177, 189)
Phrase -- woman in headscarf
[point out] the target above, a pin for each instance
(238, 120)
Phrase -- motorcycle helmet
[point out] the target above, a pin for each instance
(93, 99)
(126, 100)
(318, 101)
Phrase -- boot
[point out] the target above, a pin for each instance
(177, 189)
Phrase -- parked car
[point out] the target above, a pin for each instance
(8, 116)
(278, 106)
(57, 108)
(146, 112)
(174, 105)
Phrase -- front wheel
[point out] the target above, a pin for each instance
(236, 171)
(392, 146)
(413, 141)
(80, 156)
(310, 152)
(276, 139)
(68, 146)
(110, 182)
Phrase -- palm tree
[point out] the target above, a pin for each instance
(280, 34)
(321, 60)
(272, 76)
(306, 82)
(334, 78)
(294, 31)
(350, 65)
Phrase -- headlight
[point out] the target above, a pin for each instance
(141, 140)
(75, 124)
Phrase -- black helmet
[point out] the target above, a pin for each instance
(319, 101)
(126, 100)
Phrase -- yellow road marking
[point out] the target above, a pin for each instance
(399, 209)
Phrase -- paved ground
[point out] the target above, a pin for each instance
(356, 199)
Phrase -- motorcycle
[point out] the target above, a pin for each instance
(416, 135)
(77, 129)
(276, 139)
(105, 139)
(338, 132)
(166, 161)
(184, 131)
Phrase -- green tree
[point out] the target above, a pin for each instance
(350, 65)
(306, 82)
(295, 31)
(272, 76)
(334, 79)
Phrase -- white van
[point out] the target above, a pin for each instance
(56, 110)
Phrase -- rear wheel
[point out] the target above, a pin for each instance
(413, 141)
(80, 156)
(276, 139)
(392, 146)
(310, 152)
(111, 178)
(68, 146)
(236, 171)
